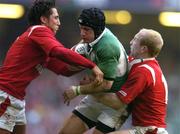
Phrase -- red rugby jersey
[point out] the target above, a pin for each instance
(146, 88)
(27, 56)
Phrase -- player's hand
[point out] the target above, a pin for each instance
(98, 75)
(69, 94)
(86, 80)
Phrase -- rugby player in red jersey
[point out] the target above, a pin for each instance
(25, 60)
(146, 88)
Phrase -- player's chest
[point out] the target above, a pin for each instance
(93, 55)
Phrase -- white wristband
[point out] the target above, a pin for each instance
(76, 90)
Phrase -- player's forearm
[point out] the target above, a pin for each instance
(93, 88)
(111, 100)
(71, 57)
(60, 67)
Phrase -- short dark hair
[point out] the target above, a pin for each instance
(38, 9)
(94, 18)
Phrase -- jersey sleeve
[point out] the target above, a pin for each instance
(108, 62)
(60, 67)
(71, 57)
(44, 37)
(135, 84)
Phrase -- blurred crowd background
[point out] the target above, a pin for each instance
(45, 108)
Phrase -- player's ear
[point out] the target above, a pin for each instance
(43, 20)
(144, 48)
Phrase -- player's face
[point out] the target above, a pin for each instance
(135, 47)
(53, 21)
(86, 33)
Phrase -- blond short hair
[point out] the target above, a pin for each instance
(153, 40)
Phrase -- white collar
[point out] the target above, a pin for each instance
(135, 61)
(96, 40)
(141, 60)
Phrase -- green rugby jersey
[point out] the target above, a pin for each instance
(109, 55)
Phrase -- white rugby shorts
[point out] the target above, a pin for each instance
(12, 111)
(96, 111)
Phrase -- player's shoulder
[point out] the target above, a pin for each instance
(144, 69)
(39, 29)
(110, 42)
(137, 64)
(110, 37)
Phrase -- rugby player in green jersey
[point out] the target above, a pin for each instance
(97, 109)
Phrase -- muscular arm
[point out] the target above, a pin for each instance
(71, 57)
(90, 87)
(44, 38)
(93, 88)
(60, 67)
(108, 99)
